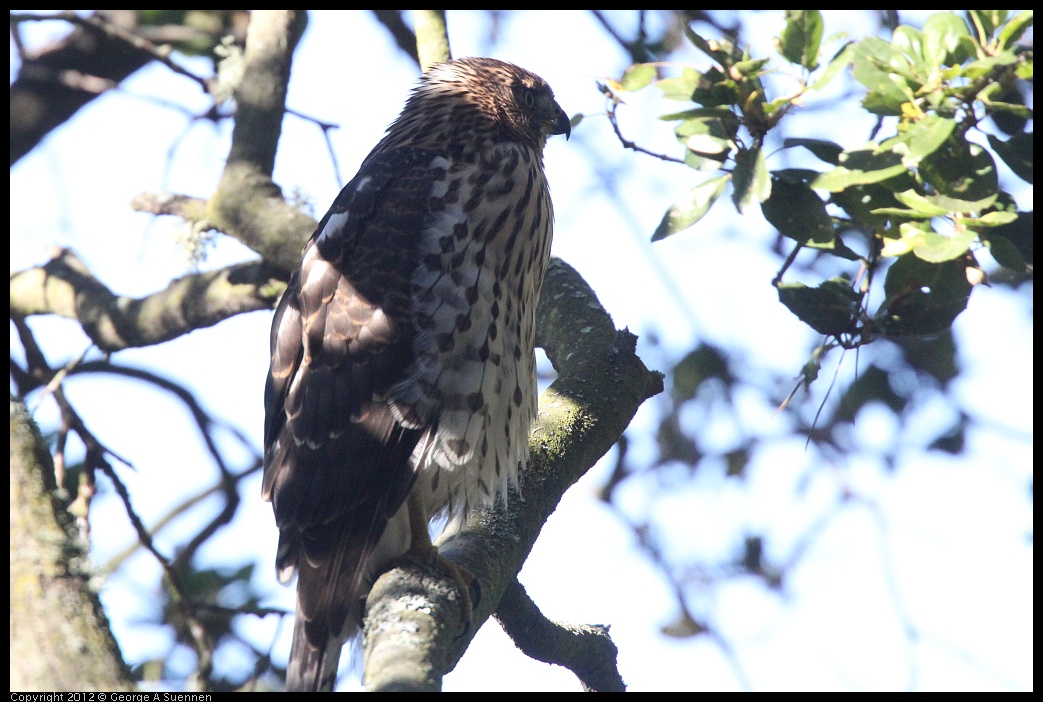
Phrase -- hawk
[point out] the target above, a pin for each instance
(402, 383)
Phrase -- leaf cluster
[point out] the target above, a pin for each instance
(926, 195)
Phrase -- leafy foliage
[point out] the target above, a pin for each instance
(889, 232)
(927, 196)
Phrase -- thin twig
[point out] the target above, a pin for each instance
(135, 41)
(611, 112)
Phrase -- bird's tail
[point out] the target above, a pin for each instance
(312, 668)
(333, 580)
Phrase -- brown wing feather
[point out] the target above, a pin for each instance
(337, 463)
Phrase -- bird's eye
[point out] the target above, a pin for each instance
(530, 98)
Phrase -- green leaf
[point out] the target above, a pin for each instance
(920, 139)
(933, 247)
(936, 356)
(1019, 234)
(886, 73)
(798, 213)
(1016, 153)
(723, 115)
(989, 219)
(839, 61)
(961, 170)
(943, 34)
(1012, 108)
(796, 176)
(701, 163)
(831, 308)
(942, 205)
(909, 41)
(801, 38)
(981, 67)
(883, 104)
(722, 51)
(705, 362)
(706, 136)
(1006, 107)
(680, 87)
(691, 208)
(708, 146)
(901, 213)
(987, 21)
(953, 204)
(638, 76)
(1006, 253)
(716, 88)
(871, 385)
(842, 250)
(922, 297)
(1013, 30)
(823, 149)
(920, 203)
(860, 167)
(861, 201)
(751, 181)
(751, 68)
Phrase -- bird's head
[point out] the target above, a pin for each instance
(514, 100)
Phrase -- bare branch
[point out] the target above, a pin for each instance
(432, 37)
(400, 31)
(45, 95)
(103, 50)
(247, 204)
(613, 105)
(116, 32)
(66, 287)
(586, 650)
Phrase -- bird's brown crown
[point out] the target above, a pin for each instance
(487, 97)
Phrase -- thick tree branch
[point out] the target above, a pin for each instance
(248, 205)
(399, 30)
(66, 287)
(432, 38)
(586, 650)
(414, 629)
(103, 49)
(60, 638)
(52, 85)
(190, 209)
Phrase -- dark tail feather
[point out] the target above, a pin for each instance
(334, 568)
(311, 668)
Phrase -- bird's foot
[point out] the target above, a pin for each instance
(421, 549)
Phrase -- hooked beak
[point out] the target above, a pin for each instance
(561, 124)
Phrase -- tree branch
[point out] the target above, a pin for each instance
(66, 287)
(103, 49)
(432, 38)
(586, 650)
(414, 629)
(42, 97)
(60, 637)
(399, 30)
(248, 205)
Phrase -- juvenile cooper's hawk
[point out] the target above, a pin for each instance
(402, 350)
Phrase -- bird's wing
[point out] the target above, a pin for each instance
(337, 457)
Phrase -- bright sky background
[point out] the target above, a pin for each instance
(948, 546)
